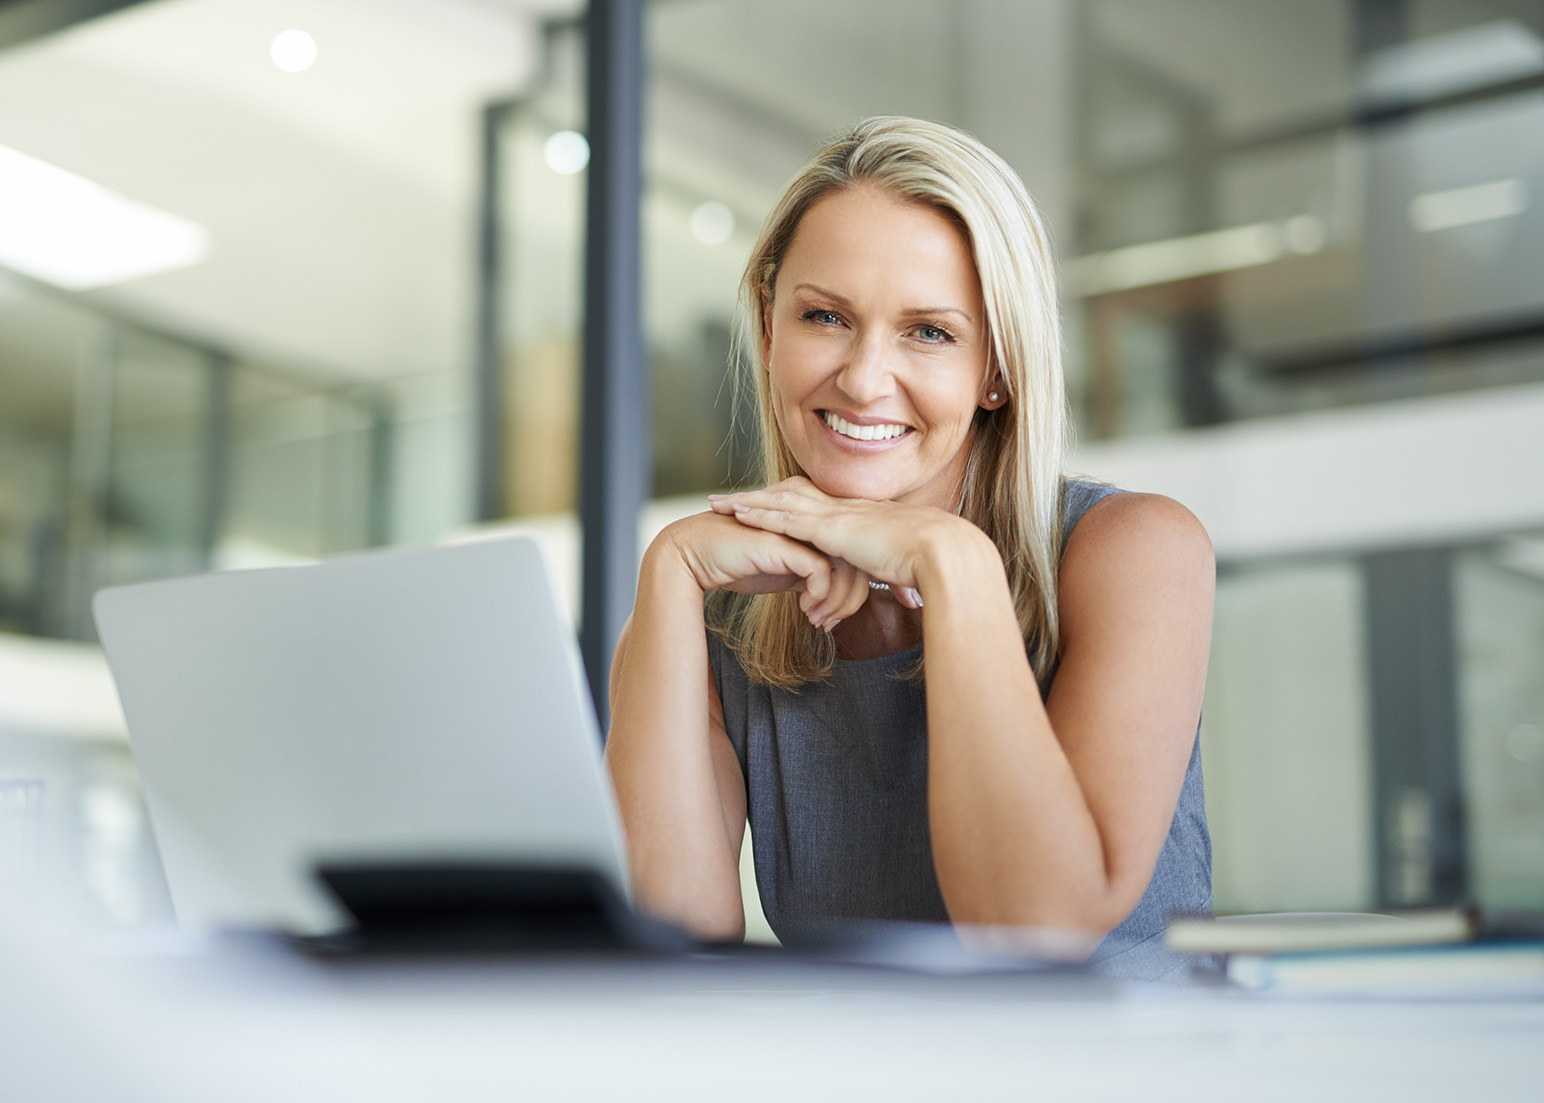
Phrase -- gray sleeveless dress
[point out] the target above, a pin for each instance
(836, 783)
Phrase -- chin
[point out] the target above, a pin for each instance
(856, 486)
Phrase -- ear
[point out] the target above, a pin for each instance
(994, 396)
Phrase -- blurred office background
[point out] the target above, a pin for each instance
(243, 274)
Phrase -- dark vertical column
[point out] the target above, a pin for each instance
(615, 456)
(382, 446)
(1418, 793)
(1376, 24)
(488, 402)
(217, 456)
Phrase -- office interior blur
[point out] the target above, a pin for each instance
(281, 280)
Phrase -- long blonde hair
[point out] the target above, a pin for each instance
(1012, 485)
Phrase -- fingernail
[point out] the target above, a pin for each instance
(714, 497)
(916, 595)
(741, 507)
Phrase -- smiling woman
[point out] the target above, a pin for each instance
(901, 304)
(874, 346)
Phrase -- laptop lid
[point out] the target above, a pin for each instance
(403, 705)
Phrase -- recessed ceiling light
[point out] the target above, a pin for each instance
(71, 232)
(712, 223)
(567, 152)
(294, 51)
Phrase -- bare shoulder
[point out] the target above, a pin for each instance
(1136, 548)
(1138, 524)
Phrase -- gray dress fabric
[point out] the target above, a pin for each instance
(836, 784)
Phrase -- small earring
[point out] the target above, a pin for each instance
(992, 397)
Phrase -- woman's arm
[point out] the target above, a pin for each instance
(1054, 814)
(678, 781)
(1041, 814)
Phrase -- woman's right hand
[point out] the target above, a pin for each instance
(679, 784)
(722, 554)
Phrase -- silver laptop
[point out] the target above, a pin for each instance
(420, 705)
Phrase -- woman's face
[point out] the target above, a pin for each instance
(876, 349)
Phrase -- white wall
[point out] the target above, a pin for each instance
(1399, 473)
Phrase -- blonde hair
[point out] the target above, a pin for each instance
(1012, 484)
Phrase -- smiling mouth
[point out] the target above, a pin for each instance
(863, 432)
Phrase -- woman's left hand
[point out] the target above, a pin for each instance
(884, 540)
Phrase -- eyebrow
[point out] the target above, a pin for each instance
(910, 312)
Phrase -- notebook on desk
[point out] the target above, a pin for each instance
(408, 721)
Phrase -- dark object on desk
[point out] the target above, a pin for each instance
(457, 907)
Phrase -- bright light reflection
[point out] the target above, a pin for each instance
(71, 232)
(1182, 258)
(1443, 210)
(567, 152)
(712, 223)
(294, 51)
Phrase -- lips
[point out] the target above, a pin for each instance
(883, 431)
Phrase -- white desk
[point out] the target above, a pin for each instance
(254, 1021)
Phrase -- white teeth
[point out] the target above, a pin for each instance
(863, 432)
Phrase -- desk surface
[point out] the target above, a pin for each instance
(252, 1020)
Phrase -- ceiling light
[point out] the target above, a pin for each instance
(567, 152)
(712, 223)
(74, 233)
(1443, 210)
(294, 51)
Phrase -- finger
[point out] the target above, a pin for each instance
(909, 596)
(793, 523)
(816, 572)
(837, 604)
(852, 585)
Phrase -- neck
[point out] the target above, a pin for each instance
(882, 627)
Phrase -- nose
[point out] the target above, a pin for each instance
(867, 374)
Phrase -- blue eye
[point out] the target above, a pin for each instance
(935, 335)
(823, 317)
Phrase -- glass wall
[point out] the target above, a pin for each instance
(1500, 613)
(132, 454)
(258, 347)
(1259, 209)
